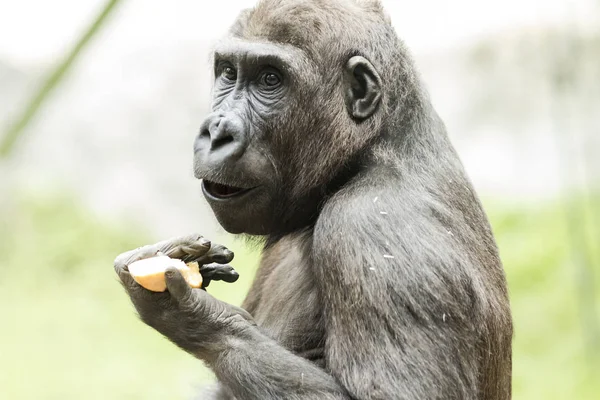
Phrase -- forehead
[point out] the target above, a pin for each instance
(234, 49)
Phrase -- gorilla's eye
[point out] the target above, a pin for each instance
(229, 73)
(271, 80)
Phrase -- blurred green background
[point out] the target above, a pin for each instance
(99, 102)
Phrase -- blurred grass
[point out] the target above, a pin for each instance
(550, 360)
(69, 332)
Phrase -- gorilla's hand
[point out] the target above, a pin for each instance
(191, 318)
(212, 259)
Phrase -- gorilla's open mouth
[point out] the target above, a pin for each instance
(220, 191)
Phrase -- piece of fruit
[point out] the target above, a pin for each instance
(150, 272)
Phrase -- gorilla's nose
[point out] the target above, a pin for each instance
(221, 139)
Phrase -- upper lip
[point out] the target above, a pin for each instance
(225, 177)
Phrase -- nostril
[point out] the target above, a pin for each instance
(221, 141)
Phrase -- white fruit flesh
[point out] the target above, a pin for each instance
(150, 272)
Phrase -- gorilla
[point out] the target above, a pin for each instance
(380, 277)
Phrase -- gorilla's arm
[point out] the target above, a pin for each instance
(250, 364)
(254, 367)
(398, 297)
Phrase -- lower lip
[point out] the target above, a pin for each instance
(234, 196)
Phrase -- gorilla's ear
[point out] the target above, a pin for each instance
(362, 88)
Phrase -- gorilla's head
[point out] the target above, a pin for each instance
(300, 91)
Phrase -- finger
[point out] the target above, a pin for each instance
(129, 257)
(177, 241)
(187, 248)
(194, 243)
(194, 251)
(126, 278)
(228, 274)
(219, 272)
(220, 254)
(137, 293)
(217, 254)
(177, 285)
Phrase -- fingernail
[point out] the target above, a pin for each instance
(204, 241)
(169, 274)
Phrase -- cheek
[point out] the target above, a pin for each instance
(312, 144)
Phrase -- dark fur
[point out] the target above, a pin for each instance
(380, 277)
(434, 321)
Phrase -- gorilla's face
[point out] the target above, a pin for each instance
(273, 138)
(233, 152)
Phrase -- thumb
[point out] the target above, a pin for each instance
(176, 284)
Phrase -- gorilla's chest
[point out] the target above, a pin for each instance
(288, 305)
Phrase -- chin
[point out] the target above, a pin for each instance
(239, 210)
